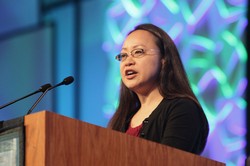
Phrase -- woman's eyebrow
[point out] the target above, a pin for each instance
(135, 46)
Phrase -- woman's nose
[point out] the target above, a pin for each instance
(129, 61)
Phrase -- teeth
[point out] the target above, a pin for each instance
(130, 72)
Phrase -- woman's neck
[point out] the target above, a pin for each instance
(149, 103)
(151, 99)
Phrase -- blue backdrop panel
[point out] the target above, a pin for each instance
(26, 64)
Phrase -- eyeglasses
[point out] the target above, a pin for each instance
(136, 53)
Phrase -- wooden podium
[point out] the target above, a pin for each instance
(52, 139)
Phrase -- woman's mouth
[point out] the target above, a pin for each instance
(130, 74)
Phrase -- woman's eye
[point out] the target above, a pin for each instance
(123, 55)
(139, 51)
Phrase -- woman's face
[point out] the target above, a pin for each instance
(140, 74)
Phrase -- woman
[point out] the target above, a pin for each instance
(156, 101)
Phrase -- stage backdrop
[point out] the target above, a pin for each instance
(44, 41)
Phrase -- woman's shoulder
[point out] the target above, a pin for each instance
(180, 104)
(179, 101)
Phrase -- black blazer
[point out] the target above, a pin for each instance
(178, 123)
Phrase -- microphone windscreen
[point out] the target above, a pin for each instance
(68, 80)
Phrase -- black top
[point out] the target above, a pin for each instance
(177, 123)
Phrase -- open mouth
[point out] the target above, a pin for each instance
(130, 72)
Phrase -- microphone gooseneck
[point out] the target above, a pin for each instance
(44, 87)
(41, 89)
(66, 81)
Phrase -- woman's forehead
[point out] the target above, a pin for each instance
(139, 38)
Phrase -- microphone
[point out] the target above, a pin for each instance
(66, 81)
(41, 89)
